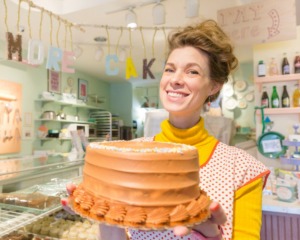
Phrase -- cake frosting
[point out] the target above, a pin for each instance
(141, 184)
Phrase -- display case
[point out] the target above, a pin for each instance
(31, 188)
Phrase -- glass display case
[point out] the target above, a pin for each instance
(31, 188)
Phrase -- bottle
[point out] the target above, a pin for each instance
(273, 69)
(261, 69)
(297, 63)
(285, 98)
(285, 65)
(274, 98)
(265, 99)
(296, 97)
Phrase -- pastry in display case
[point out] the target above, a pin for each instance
(31, 190)
(59, 225)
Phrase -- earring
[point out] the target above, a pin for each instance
(208, 103)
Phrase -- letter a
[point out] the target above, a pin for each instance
(130, 69)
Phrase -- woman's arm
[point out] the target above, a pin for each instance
(248, 211)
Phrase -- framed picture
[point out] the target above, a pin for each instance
(54, 81)
(82, 89)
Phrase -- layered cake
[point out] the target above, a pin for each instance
(141, 184)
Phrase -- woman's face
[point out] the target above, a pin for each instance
(185, 84)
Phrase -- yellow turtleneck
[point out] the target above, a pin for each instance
(247, 201)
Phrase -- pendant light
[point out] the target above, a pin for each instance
(158, 13)
(131, 19)
(191, 8)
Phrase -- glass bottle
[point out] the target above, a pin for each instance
(273, 69)
(285, 98)
(261, 69)
(274, 98)
(265, 99)
(297, 63)
(296, 97)
(285, 65)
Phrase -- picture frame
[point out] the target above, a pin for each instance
(82, 89)
(54, 81)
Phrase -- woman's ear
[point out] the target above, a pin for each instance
(216, 87)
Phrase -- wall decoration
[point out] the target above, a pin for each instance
(54, 81)
(146, 68)
(10, 117)
(82, 89)
(130, 69)
(14, 46)
(259, 22)
(70, 86)
(27, 133)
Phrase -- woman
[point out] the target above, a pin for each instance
(199, 63)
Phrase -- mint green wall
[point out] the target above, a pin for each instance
(34, 82)
(121, 101)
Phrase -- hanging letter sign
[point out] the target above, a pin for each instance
(108, 70)
(130, 68)
(34, 44)
(14, 46)
(146, 68)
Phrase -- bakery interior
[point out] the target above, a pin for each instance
(103, 85)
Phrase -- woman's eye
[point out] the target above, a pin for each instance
(193, 72)
(168, 70)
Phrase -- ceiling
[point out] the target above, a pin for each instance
(105, 18)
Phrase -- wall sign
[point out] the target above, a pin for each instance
(82, 89)
(10, 117)
(259, 22)
(54, 81)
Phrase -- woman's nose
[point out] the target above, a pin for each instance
(177, 78)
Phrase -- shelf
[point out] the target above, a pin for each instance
(272, 204)
(274, 111)
(277, 78)
(292, 161)
(67, 104)
(63, 121)
(291, 143)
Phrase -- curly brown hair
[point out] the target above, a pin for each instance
(210, 39)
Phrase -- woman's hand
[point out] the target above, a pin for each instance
(106, 232)
(209, 228)
(65, 201)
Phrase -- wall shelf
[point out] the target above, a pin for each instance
(274, 111)
(67, 104)
(278, 78)
(63, 121)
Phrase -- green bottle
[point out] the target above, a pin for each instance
(274, 98)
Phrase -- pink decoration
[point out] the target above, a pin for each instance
(67, 61)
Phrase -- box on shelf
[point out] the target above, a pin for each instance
(76, 127)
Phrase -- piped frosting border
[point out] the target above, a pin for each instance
(144, 218)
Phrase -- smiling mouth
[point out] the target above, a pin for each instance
(176, 94)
